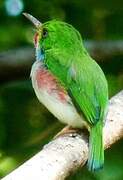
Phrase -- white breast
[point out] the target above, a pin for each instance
(65, 112)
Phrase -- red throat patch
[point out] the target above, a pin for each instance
(36, 39)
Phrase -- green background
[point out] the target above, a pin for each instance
(26, 125)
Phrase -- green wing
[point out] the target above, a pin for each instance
(85, 83)
(88, 90)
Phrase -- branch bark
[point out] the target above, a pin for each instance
(16, 63)
(65, 154)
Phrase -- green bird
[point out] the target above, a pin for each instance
(70, 83)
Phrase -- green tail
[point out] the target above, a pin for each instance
(96, 149)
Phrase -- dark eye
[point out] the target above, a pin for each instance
(45, 33)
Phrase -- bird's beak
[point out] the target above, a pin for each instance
(36, 23)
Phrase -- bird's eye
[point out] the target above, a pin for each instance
(45, 33)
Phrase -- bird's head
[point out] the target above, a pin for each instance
(55, 36)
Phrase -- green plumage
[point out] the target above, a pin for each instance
(83, 79)
(67, 59)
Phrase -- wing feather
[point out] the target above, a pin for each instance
(88, 88)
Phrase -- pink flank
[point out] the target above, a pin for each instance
(45, 80)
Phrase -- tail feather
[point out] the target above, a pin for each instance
(96, 149)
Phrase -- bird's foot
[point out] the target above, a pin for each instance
(67, 130)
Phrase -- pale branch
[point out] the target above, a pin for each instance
(17, 63)
(103, 50)
(65, 154)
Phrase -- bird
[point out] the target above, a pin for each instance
(70, 83)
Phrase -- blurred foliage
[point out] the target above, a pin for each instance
(94, 19)
(25, 124)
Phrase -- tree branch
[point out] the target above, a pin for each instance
(17, 63)
(65, 154)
